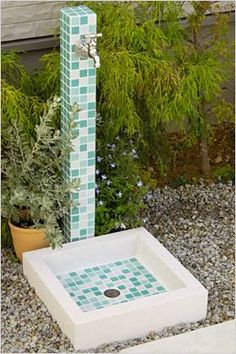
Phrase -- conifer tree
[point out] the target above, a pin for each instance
(154, 70)
(205, 68)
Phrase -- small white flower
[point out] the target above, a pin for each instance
(119, 194)
(145, 220)
(117, 137)
(113, 165)
(108, 183)
(122, 226)
(108, 145)
(134, 151)
(113, 146)
(97, 191)
(99, 159)
(97, 172)
(139, 183)
(104, 177)
(100, 202)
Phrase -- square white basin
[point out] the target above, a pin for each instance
(114, 287)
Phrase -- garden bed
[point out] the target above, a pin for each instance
(184, 161)
(195, 223)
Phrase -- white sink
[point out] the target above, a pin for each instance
(114, 287)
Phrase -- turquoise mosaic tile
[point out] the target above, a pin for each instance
(128, 276)
(78, 86)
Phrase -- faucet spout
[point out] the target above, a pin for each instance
(96, 59)
(93, 54)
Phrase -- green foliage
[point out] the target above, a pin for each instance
(6, 240)
(18, 105)
(34, 194)
(14, 72)
(137, 77)
(133, 49)
(207, 66)
(180, 181)
(120, 190)
(46, 80)
(225, 173)
(155, 70)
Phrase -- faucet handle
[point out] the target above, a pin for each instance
(93, 35)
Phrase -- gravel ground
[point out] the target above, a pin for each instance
(195, 223)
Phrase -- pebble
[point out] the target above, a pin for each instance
(194, 222)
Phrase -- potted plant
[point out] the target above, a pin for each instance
(34, 193)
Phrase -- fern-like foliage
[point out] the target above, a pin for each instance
(14, 72)
(18, 104)
(154, 70)
(46, 80)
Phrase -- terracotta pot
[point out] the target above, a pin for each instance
(27, 239)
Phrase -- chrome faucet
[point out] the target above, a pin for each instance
(86, 47)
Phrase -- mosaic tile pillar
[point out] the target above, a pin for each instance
(78, 85)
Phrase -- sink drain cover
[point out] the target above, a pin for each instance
(111, 293)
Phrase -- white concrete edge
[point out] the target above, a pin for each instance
(176, 267)
(34, 259)
(216, 339)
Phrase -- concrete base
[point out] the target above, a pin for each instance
(218, 339)
(185, 299)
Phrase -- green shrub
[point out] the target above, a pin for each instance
(155, 70)
(120, 190)
(14, 72)
(207, 65)
(34, 194)
(225, 173)
(18, 104)
(6, 240)
(180, 181)
(46, 80)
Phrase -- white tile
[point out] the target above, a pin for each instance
(91, 208)
(84, 29)
(92, 19)
(74, 38)
(83, 81)
(84, 64)
(74, 233)
(74, 74)
(83, 132)
(91, 97)
(91, 170)
(74, 165)
(83, 115)
(83, 195)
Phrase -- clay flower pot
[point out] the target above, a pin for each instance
(27, 239)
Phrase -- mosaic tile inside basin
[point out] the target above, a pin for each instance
(129, 276)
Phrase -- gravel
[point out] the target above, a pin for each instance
(195, 223)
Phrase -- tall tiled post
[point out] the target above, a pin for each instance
(78, 85)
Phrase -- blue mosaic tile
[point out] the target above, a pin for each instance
(129, 276)
(78, 86)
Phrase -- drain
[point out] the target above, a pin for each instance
(111, 293)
